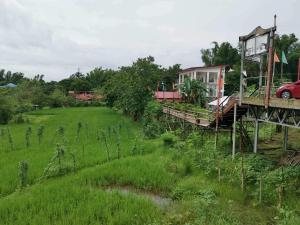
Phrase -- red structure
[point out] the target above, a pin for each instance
(167, 96)
(85, 96)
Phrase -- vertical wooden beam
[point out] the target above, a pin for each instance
(285, 138)
(256, 132)
(234, 132)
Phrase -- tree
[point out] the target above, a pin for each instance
(97, 77)
(223, 54)
(57, 98)
(132, 87)
(290, 45)
(170, 76)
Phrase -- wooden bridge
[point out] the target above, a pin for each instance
(207, 119)
(282, 112)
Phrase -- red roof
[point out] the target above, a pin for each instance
(167, 95)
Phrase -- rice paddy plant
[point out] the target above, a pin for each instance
(23, 173)
(104, 139)
(109, 131)
(40, 133)
(87, 130)
(10, 140)
(134, 147)
(27, 136)
(79, 126)
(53, 169)
(73, 161)
(116, 131)
(2, 136)
(61, 133)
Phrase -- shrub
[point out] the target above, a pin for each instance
(56, 99)
(18, 119)
(169, 139)
(152, 115)
(6, 112)
(23, 108)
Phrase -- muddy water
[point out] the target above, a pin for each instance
(159, 200)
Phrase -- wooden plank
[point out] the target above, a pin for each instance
(274, 102)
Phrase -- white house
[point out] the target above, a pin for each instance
(208, 75)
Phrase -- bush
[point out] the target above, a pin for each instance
(23, 108)
(151, 119)
(169, 139)
(18, 119)
(56, 99)
(6, 112)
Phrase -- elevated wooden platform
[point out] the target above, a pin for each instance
(274, 102)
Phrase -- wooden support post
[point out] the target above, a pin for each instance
(256, 132)
(285, 138)
(242, 154)
(234, 132)
(260, 188)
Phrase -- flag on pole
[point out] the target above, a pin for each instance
(276, 58)
(283, 58)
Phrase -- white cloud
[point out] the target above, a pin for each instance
(55, 37)
(155, 9)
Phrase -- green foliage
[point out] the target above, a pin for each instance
(6, 111)
(193, 91)
(10, 140)
(79, 126)
(169, 139)
(116, 131)
(223, 54)
(132, 87)
(151, 120)
(40, 133)
(18, 119)
(23, 173)
(57, 99)
(27, 136)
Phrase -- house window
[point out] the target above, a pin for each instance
(201, 76)
(213, 77)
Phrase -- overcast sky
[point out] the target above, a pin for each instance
(55, 37)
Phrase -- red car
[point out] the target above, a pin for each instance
(289, 90)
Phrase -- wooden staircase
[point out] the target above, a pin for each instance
(226, 117)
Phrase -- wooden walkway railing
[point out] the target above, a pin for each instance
(188, 115)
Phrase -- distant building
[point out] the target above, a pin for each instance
(207, 74)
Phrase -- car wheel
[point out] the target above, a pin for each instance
(286, 95)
